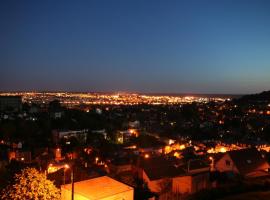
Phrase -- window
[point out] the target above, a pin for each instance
(227, 162)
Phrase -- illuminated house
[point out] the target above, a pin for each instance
(158, 175)
(101, 188)
(246, 162)
(162, 175)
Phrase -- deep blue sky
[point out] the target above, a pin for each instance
(219, 46)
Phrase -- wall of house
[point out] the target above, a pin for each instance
(190, 184)
(222, 167)
(200, 182)
(182, 184)
(127, 195)
(263, 167)
(156, 185)
(153, 185)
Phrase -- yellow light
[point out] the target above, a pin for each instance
(167, 149)
(210, 150)
(182, 147)
(176, 154)
(222, 150)
(171, 141)
(146, 156)
(66, 166)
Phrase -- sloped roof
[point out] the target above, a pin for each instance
(197, 164)
(159, 167)
(217, 156)
(248, 160)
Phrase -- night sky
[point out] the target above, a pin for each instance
(219, 46)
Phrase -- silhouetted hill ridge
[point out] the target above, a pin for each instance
(259, 97)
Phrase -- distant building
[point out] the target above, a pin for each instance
(101, 132)
(124, 136)
(80, 135)
(10, 103)
(23, 156)
(246, 162)
(57, 115)
(134, 124)
(57, 154)
(101, 188)
(120, 165)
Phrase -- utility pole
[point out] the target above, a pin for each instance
(72, 183)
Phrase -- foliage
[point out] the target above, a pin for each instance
(31, 185)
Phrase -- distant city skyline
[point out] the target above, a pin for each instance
(200, 47)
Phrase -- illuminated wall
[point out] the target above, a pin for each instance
(66, 195)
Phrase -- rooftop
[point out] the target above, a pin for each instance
(159, 167)
(247, 160)
(98, 188)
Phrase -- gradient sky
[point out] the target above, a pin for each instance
(219, 46)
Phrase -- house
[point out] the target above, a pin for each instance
(124, 136)
(197, 166)
(246, 162)
(134, 124)
(102, 188)
(157, 173)
(195, 179)
(120, 165)
(101, 132)
(80, 135)
(163, 175)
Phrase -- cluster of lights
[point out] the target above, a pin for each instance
(55, 167)
(72, 99)
(174, 147)
(222, 148)
(265, 147)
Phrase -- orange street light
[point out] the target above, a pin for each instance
(146, 156)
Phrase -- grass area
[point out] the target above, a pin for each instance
(250, 196)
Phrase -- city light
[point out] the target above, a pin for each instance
(73, 99)
(146, 156)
